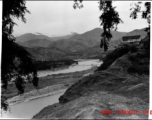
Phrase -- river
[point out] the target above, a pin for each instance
(30, 108)
(82, 65)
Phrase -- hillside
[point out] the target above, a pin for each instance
(64, 36)
(29, 36)
(120, 84)
(71, 45)
(84, 41)
(95, 34)
(35, 43)
(40, 53)
(141, 32)
(78, 46)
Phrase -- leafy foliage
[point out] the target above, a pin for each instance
(137, 9)
(77, 4)
(109, 20)
(146, 14)
(16, 61)
(114, 55)
(12, 9)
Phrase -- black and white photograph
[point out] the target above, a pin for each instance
(75, 59)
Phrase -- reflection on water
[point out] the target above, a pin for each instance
(82, 65)
(30, 108)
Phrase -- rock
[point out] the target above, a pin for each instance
(89, 107)
(136, 86)
(112, 88)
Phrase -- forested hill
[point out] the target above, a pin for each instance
(86, 45)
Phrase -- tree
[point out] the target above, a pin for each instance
(146, 14)
(110, 18)
(16, 61)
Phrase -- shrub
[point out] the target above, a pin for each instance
(139, 69)
(117, 53)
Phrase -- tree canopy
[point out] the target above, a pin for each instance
(110, 17)
(16, 61)
(145, 14)
(109, 20)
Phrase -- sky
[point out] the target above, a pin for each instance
(56, 18)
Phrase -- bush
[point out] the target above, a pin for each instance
(117, 53)
(139, 69)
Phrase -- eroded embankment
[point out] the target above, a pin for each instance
(35, 94)
(114, 87)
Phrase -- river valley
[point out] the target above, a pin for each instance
(33, 101)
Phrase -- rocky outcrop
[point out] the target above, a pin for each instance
(92, 106)
(106, 81)
(104, 90)
(113, 87)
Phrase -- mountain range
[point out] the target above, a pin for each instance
(73, 46)
(38, 36)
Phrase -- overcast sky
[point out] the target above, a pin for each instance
(60, 18)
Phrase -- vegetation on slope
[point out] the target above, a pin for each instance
(42, 65)
(112, 87)
(139, 56)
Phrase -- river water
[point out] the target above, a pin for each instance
(82, 65)
(30, 108)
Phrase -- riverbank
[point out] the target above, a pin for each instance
(36, 94)
(120, 83)
(26, 109)
(62, 81)
(51, 87)
(102, 91)
(54, 64)
(81, 66)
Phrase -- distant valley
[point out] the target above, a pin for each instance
(72, 46)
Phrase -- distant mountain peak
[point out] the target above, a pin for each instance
(30, 36)
(73, 33)
(98, 28)
(39, 33)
